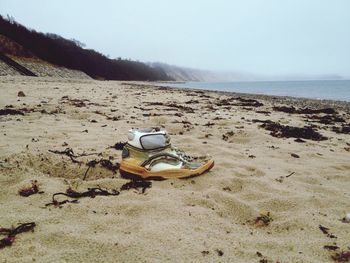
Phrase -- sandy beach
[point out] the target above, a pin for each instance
(267, 199)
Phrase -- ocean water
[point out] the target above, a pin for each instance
(313, 89)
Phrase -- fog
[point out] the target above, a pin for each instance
(268, 37)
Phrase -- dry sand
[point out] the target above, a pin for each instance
(209, 218)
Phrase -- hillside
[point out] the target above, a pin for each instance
(191, 74)
(56, 50)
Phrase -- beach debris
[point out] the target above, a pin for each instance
(172, 106)
(285, 131)
(343, 129)
(281, 178)
(299, 140)
(118, 146)
(294, 110)
(74, 102)
(263, 112)
(8, 111)
(346, 219)
(325, 231)
(70, 153)
(205, 252)
(91, 192)
(21, 94)
(289, 175)
(264, 219)
(208, 124)
(326, 119)
(227, 135)
(28, 191)
(104, 163)
(135, 184)
(12, 232)
(220, 253)
(263, 260)
(295, 155)
(330, 247)
(242, 102)
(343, 256)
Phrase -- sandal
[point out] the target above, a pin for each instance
(148, 154)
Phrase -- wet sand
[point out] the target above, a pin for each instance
(265, 198)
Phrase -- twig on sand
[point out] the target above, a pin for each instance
(290, 174)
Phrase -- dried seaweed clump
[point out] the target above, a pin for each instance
(263, 220)
(282, 131)
(28, 191)
(12, 232)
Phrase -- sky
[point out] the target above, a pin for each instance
(271, 37)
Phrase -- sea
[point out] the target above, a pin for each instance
(312, 89)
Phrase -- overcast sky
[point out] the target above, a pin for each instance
(258, 36)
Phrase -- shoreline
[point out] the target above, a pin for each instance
(289, 100)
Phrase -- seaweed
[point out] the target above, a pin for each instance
(172, 106)
(242, 102)
(343, 256)
(220, 253)
(227, 135)
(74, 102)
(91, 192)
(12, 232)
(135, 184)
(294, 110)
(285, 131)
(326, 119)
(343, 129)
(118, 146)
(295, 155)
(28, 191)
(325, 231)
(10, 112)
(248, 102)
(21, 94)
(330, 247)
(70, 153)
(104, 163)
(263, 220)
